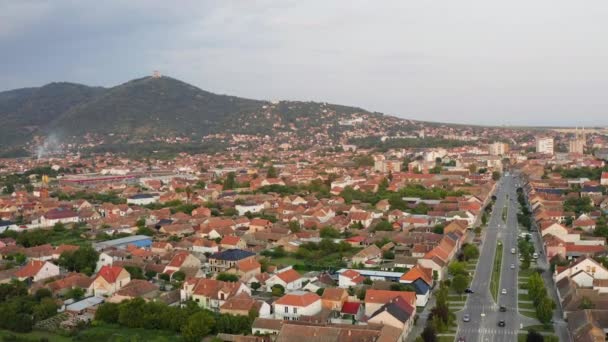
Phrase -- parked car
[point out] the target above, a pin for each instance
(468, 290)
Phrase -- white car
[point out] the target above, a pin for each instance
(504, 291)
(512, 266)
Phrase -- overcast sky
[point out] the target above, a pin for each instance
(540, 62)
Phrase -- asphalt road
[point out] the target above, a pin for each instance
(480, 306)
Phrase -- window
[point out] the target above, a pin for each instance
(295, 310)
(286, 309)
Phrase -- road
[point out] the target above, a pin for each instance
(481, 307)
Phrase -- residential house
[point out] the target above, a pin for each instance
(289, 278)
(296, 304)
(36, 270)
(211, 293)
(108, 280)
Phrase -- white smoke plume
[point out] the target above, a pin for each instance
(51, 145)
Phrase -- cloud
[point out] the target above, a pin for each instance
(516, 62)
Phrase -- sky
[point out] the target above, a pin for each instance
(541, 62)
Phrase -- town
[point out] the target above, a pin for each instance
(495, 234)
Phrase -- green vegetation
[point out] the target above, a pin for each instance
(582, 172)
(495, 280)
(102, 332)
(395, 198)
(82, 260)
(544, 305)
(191, 321)
(375, 142)
(42, 236)
(92, 197)
(24, 309)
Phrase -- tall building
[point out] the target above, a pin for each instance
(577, 145)
(544, 145)
(499, 149)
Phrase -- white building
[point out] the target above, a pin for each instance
(293, 305)
(544, 145)
(143, 199)
(499, 149)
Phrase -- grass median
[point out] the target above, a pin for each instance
(495, 280)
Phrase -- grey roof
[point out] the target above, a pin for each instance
(232, 255)
(85, 303)
(122, 241)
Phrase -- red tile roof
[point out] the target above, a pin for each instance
(298, 299)
(109, 273)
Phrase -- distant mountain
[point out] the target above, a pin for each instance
(150, 107)
(153, 106)
(28, 110)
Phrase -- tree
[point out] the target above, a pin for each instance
(294, 226)
(329, 232)
(460, 283)
(383, 225)
(470, 252)
(586, 303)
(179, 276)
(272, 172)
(59, 227)
(75, 293)
(135, 272)
(84, 260)
(150, 274)
(230, 181)
(429, 334)
(544, 310)
(534, 336)
(277, 290)
(320, 291)
(457, 268)
(45, 309)
(107, 312)
(198, 326)
(255, 286)
(495, 175)
(227, 277)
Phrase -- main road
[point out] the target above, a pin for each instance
(480, 306)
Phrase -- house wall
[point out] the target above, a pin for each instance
(47, 271)
(294, 312)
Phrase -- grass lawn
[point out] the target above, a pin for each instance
(529, 306)
(540, 328)
(531, 314)
(523, 296)
(109, 332)
(34, 336)
(446, 338)
(495, 280)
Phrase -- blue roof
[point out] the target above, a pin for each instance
(232, 255)
(421, 286)
(4, 223)
(140, 196)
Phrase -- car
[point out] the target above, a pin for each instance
(503, 309)
(466, 318)
(468, 290)
(461, 339)
(512, 266)
(504, 291)
(501, 323)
